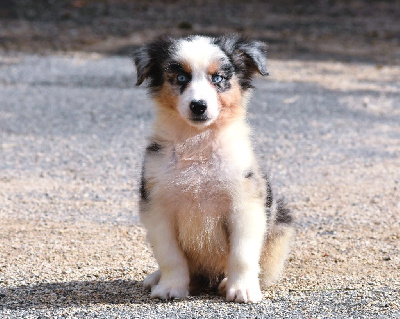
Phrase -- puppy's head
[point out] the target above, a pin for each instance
(201, 78)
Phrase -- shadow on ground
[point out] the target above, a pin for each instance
(74, 293)
(79, 293)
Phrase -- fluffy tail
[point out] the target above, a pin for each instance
(277, 244)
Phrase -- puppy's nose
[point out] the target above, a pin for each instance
(198, 107)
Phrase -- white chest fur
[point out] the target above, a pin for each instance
(201, 173)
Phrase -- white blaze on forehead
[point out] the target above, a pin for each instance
(198, 52)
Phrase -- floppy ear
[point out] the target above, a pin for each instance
(248, 57)
(143, 63)
(256, 52)
(149, 58)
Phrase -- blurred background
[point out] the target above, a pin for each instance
(359, 30)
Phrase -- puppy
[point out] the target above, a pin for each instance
(210, 215)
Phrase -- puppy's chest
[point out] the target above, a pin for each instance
(202, 173)
(201, 177)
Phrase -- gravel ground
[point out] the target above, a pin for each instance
(72, 132)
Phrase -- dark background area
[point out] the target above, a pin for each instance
(358, 30)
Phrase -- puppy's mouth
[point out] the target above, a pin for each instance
(199, 119)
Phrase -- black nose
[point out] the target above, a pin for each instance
(198, 107)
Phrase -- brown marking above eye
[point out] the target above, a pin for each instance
(224, 68)
(213, 68)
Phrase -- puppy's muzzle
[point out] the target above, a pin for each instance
(198, 108)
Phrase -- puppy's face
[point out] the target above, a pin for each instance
(201, 78)
(197, 74)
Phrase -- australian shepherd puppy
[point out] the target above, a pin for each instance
(210, 214)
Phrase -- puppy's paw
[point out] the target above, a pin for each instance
(243, 291)
(222, 286)
(151, 280)
(167, 292)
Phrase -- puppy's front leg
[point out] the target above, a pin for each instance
(174, 280)
(246, 239)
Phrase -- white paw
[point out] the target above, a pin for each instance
(242, 291)
(152, 279)
(169, 292)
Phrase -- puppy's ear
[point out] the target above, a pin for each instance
(248, 56)
(142, 61)
(257, 52)
(149, 59)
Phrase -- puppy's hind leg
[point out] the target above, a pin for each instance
(277, 245)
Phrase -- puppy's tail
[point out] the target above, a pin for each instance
(277, 244)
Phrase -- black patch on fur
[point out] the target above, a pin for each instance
(269, 198)
(175, 67)
(154, 147)
(247, 56)
(227, 70)
(283, 214)
(249, 174)
(143, 191)
(149, 60)
(223, 86)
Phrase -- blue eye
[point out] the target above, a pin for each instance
(181, 78)
(216, 78)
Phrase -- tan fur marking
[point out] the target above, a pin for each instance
(213, 68)
(166, 98)
(205, 244)
(187, 67)
(231, 104)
